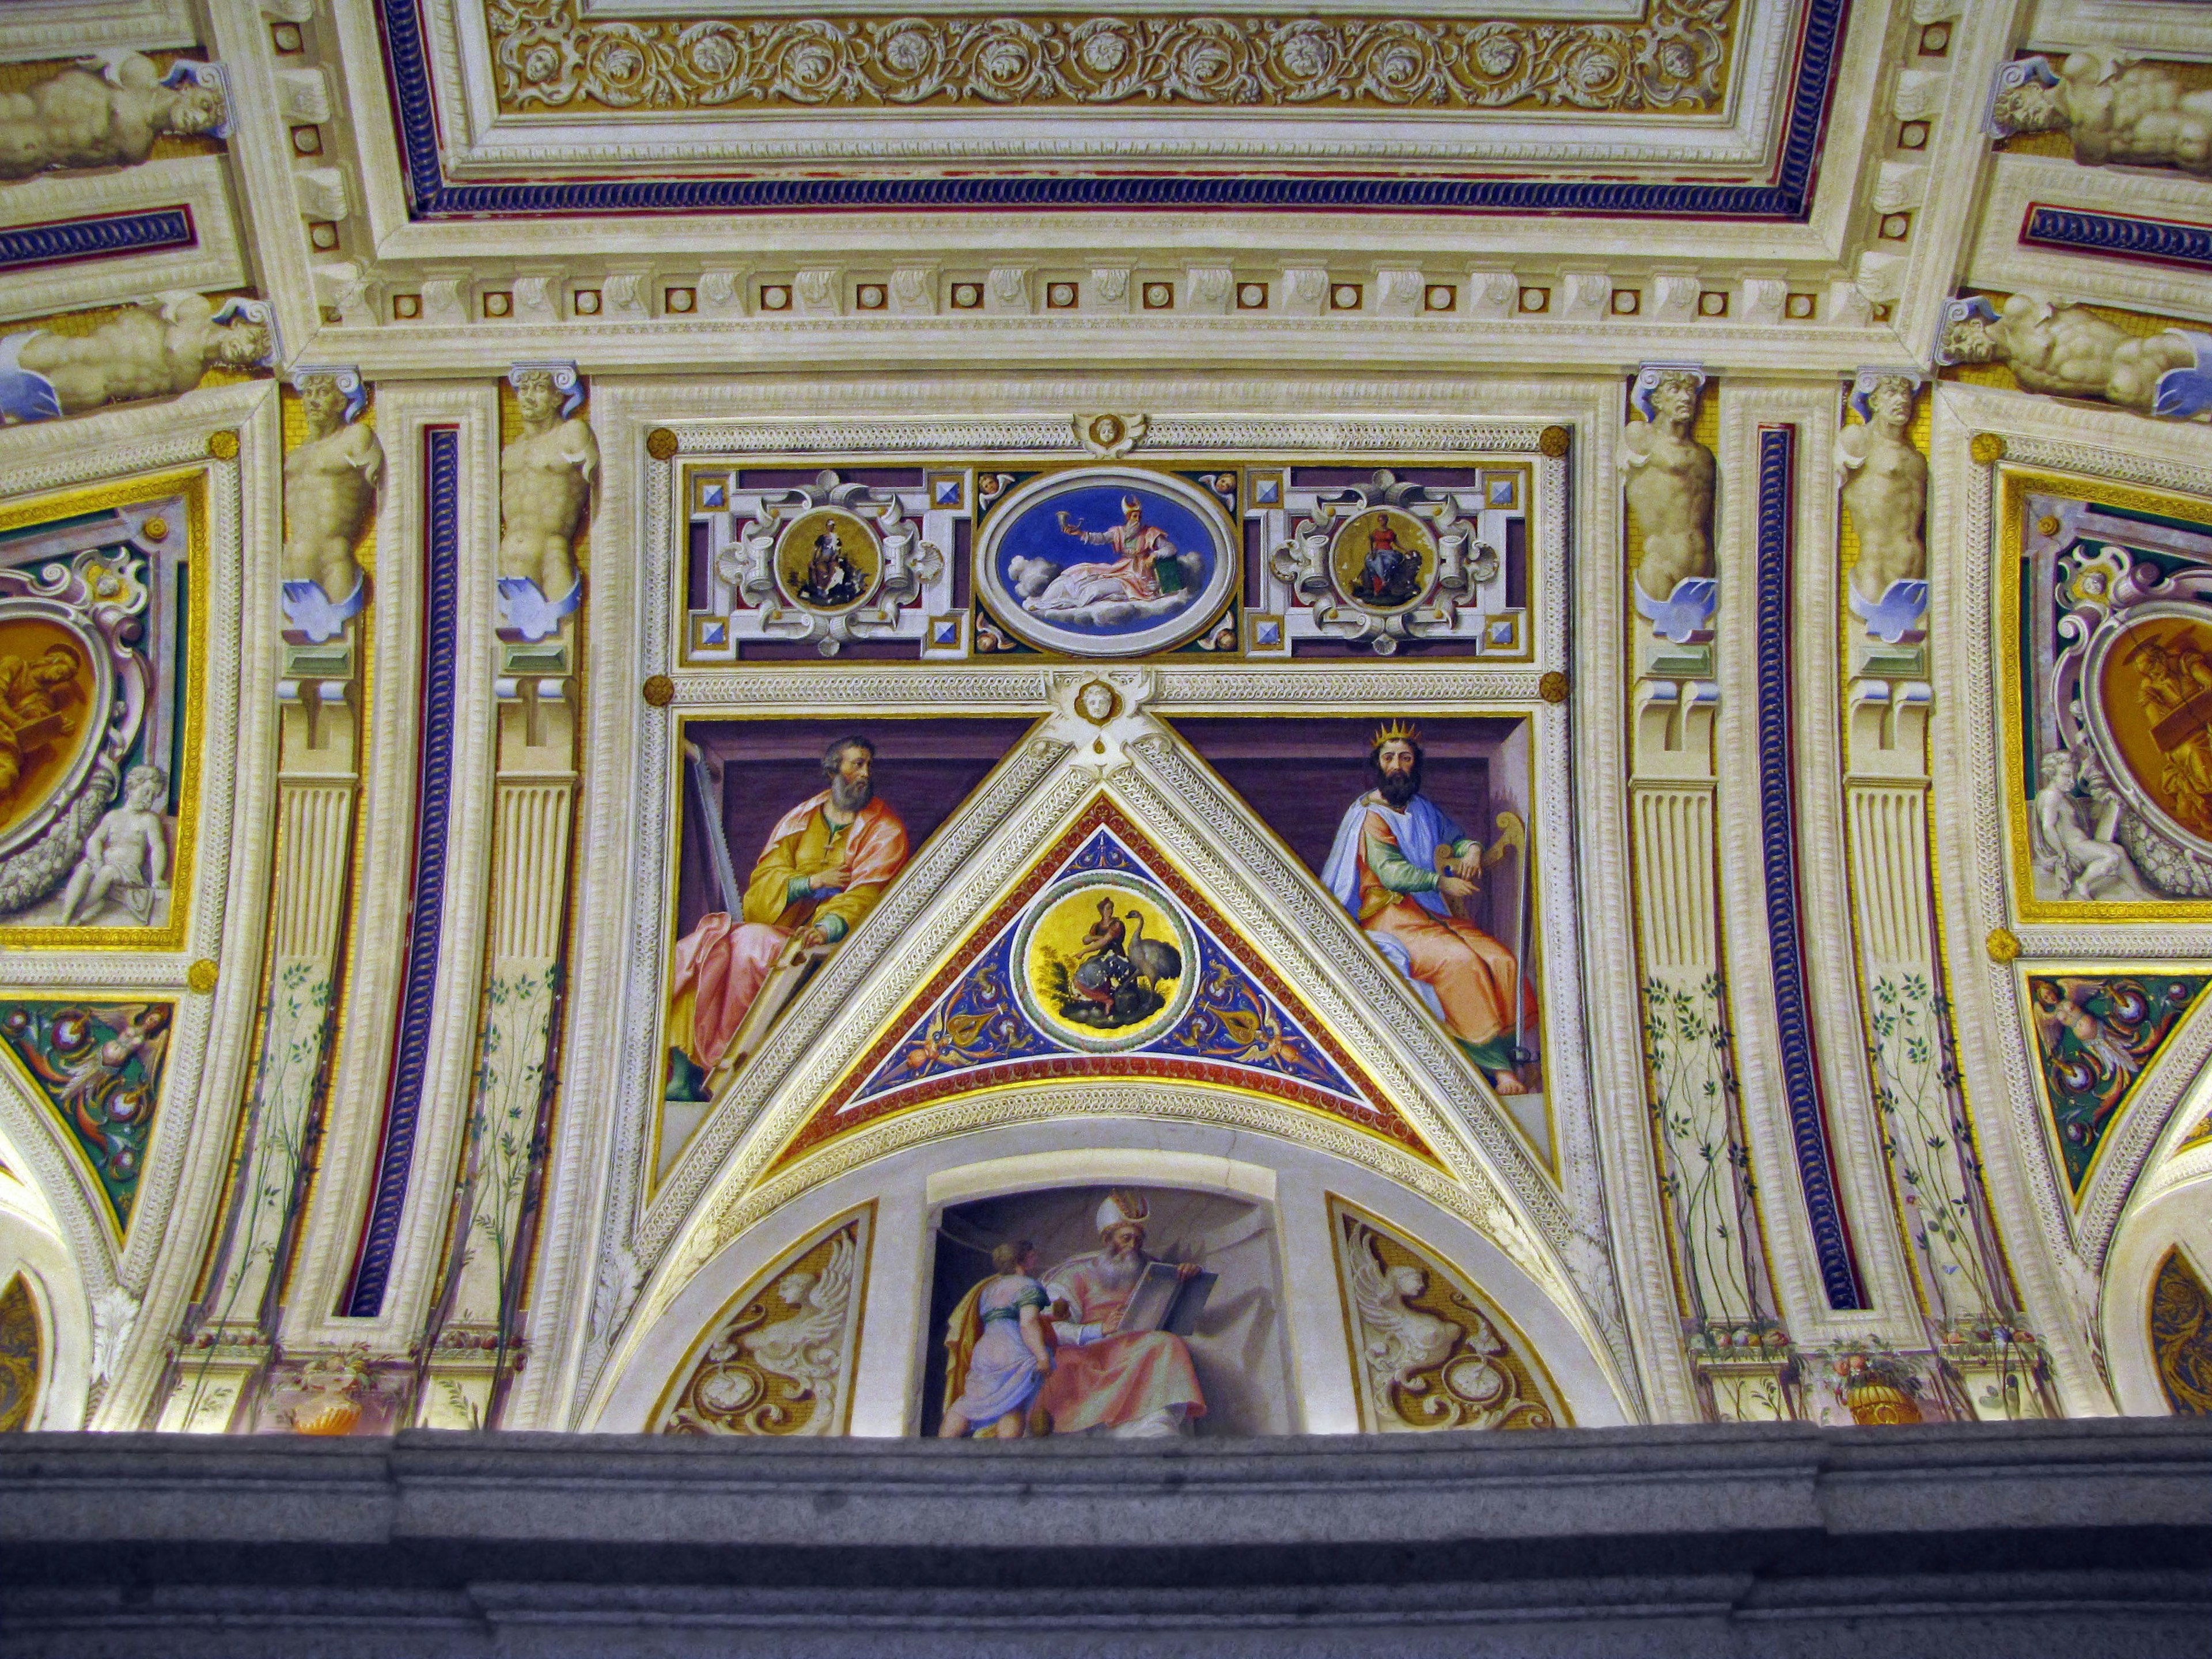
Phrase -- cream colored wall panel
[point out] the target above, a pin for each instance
(195, 182)
(35, 29)
(2056, 1264)
(1997, 260)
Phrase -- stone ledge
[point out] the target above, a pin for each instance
(2080, 1537)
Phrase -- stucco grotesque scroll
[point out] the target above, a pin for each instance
(2069, 351)
(2118, 112)
(330, 486)
(553, 54)
(546, 477)
(1884, 478)
(161, 350)
(107, 114)
(1669, 479)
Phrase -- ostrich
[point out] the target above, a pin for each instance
(1153, 959)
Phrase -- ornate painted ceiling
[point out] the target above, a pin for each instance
(1104, 721)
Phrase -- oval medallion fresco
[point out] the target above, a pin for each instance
(1106, 561)
(827, 560)
(1383, 560)
(2154, 709)
(49, 703)
(1103, 962)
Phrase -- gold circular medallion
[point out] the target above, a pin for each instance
(200, 976)
(659, 690)
(1987, 448)
(1553, 688)
(661, 443)
(1552, 443)
(155, 530)
(2002, 945)
(223, 445)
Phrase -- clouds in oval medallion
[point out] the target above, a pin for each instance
(1106, 561)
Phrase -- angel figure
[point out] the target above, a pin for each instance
(1398, 1340)
(809, 1347)
(2063, 1010)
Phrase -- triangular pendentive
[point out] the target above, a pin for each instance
(1048, 986)
(97, 1066)
(2096, 1038)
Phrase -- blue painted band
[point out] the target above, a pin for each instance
(1800, 1072)
(2160, 241)
(441, 469)
(110, 236)
(1788, 196)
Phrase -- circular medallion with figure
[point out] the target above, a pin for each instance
(1383, 560)
(1103, 962)
(828, 560)
(2151, 716)
(53, 709)
(1106, 561)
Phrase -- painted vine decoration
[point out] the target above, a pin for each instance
(551, 57)
(2181, 1337)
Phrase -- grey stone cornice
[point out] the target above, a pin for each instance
(2076, 1537)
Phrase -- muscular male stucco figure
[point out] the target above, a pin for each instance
(330, 483)
(1670, 487)
(82, 118)
(545, 477)
(1885, 483)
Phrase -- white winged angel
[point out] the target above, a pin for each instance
(783, 1376)
(1405, 1349)
(808, 1348)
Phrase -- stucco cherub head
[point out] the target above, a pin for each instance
(1097, 702)
(196, 109)
(537, 397)
(322, 402)
(242, 345)
(2031, 106)
(1889, 401)
(1972, 340)
(1674, 397)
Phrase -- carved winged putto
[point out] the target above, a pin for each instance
(1425, 1353)
(778, 1359)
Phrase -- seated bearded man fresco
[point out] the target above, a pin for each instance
(1123, 1383)
(827, 862)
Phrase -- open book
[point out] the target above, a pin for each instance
(1164, 1302)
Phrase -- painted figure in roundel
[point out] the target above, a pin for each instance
(826, 863)
(831, 577)
(1404, 869)
(1124, 1383)
(1144, 568)
(999, 1347)
(40, 698)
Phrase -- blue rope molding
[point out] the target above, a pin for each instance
(441, 469)
(1800, 1071)
(1789, 197)
(2155, 241)
(108, 236)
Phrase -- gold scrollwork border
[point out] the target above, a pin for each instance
(547, 55)
(76, 503)
(2014, 483)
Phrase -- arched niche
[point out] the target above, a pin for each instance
(31, 1245)
(910, 1188)
(2179, 1218)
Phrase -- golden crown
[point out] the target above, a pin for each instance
(1396, 732)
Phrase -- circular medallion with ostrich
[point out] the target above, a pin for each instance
(1383, 560)
(1104, 962)
(828, 560)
